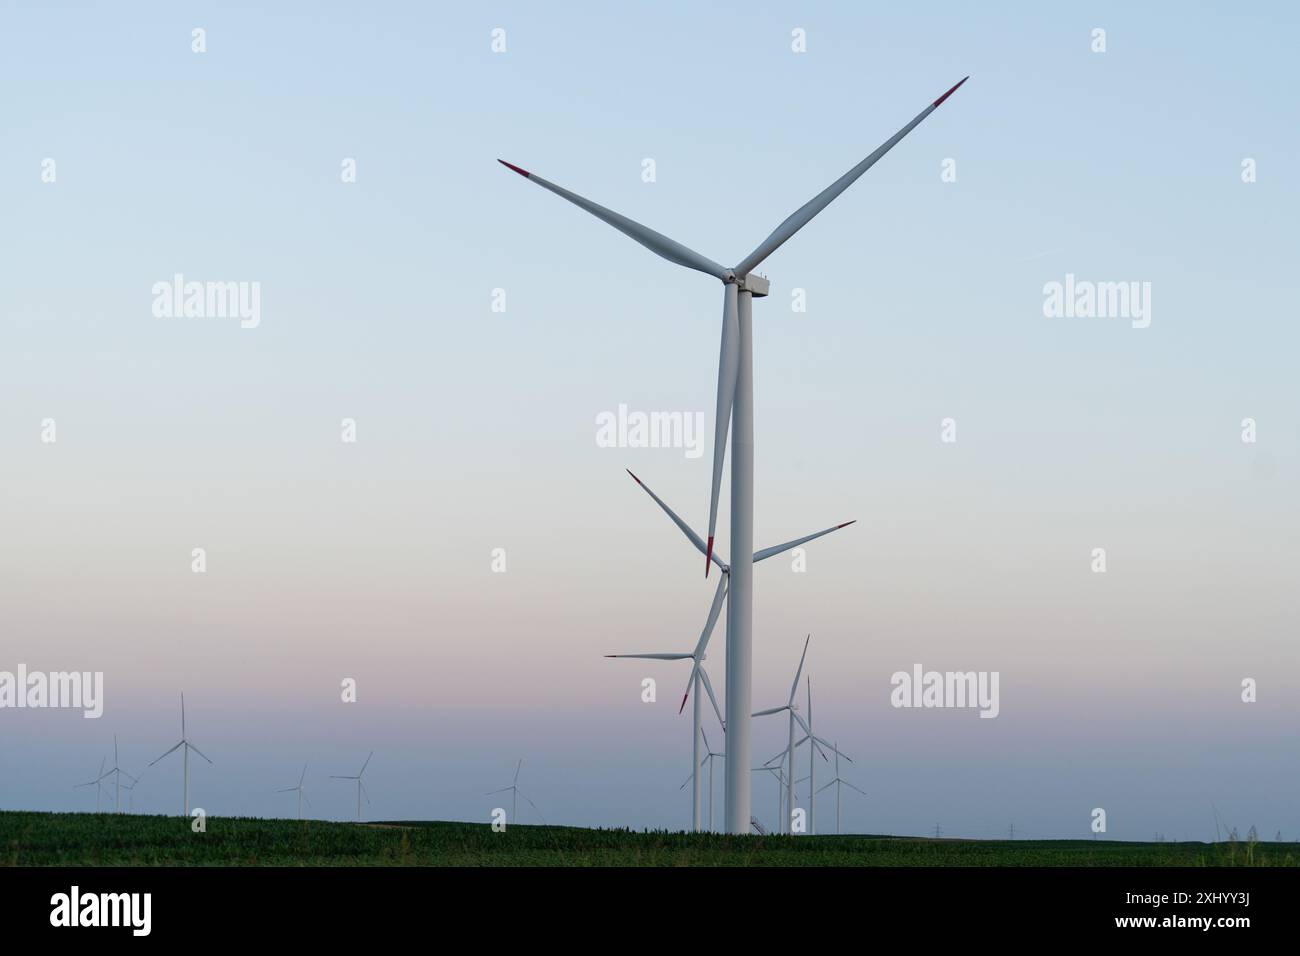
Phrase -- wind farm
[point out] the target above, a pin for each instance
(400, 424)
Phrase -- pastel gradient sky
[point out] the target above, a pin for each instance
(476, 429)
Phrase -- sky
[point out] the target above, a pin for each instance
(475, 428)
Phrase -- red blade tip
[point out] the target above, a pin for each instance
(708, 556)
(524, 172)
(846, 524)
(634, 477)
(936, 102)
(683, 707)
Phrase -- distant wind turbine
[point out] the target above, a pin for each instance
(117, 774)
(130, 801)
(699, 677)
(515, 794)
(779, 774)
(97, 783)
(301, 797)
(789, 707)
(837, 783)
(185, 747)
(357, 777)
(709, 755)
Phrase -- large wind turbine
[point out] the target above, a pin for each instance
(357, 777)
(298, 790)
(697, 672)
(735, 409)
(186, 747)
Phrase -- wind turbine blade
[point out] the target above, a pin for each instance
(778, 549)
(770, 710)
(287, 790)
(694, 538)
(831, 748)
(182, 715)
(198, 751)
(533, 805)
(656, 242)
(654, 657)
(804, 214)
(800, 721)
(708, 687)
(305, 800)
(366, 764)
(115, 750)
(831, 784)
(728, 370)
(168, 752)
(517, 766)
(686, 781)
(779, 756)
(502, 790)
(714, 610)
(794, 688)
(851, 787)
(339, 776)
(702, 645)
(364, 792)
(303, 777)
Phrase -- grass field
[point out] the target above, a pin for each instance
(88, 839)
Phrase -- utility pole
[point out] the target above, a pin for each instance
(937, 830)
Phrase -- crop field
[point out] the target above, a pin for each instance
(88, 839)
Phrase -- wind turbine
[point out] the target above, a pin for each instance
(515, 794)
(698, 676)
(780, 790)
(97, 783)
(837, 783)
(789, 707)
(298, 790)
(708, 758)
(117, 774)
(735, 404)
(719, 596)
(357, 777)
(186, 747)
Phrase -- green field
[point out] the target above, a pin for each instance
(51, 839)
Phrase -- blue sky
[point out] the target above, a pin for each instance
(475, 428)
